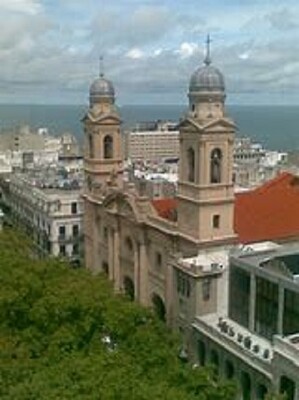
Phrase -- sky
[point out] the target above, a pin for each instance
(50, 49)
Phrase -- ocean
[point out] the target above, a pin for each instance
(276, 127)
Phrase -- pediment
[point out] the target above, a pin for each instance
(215, 125)
(121, 204)
(191, 125)
(220, 124)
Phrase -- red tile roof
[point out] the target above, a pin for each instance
(269, 212)
(166, 208)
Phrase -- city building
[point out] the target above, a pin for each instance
(255, 339)
(152, 142)
(50, 215)
(255, 165)
(23, 148)
(174, 254)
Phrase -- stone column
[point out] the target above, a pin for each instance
(117, 282)
(252, 300)
(136, 271)
(110, 254)
(280, 310)
(143, 278)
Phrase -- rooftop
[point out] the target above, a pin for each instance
(280, 259)
(269, 212)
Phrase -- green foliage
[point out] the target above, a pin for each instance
(55, 327)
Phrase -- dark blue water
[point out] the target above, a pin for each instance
(276, 127)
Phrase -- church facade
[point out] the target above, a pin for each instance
(126, 234)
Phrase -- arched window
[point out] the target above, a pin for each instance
(261, 392)
(105, 268)
(287, 387)
(191, 164)
(215, 166)
(108, 147)
(201, 353)
(229, 369)
(129, 244)
(129, 288)
(159, 307)
(245, 386)
(214, 358)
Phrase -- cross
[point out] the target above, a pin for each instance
(101, 66)
(208, 51)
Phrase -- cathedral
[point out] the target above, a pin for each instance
(137, 241)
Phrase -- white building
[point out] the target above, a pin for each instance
(51, 216)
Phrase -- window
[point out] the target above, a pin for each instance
(229, 369)
(291, 312)
(261, 392)
(74, 208)
(105, 268)
(239, 289)
(216, 221)
(129, 247)
(159, 307)
(191, 164)
(288, 387)
(62, 231)
(75, 230)
(215, 166)
(266, 307)
(62, 251)
(105, 233)
(214, 358)
(75, 249)
(108, 147)
(158, 260)
(206, 289)
(90, 143)
(201, 348)
(183, 284)
(245, 386)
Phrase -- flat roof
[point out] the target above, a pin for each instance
(261, 256)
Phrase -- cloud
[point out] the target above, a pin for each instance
(146, 25)
(149, 49)
(134, 53)
(283, 20)
(187, 49)
(31, 7)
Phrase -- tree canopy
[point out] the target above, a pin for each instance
(64, 334)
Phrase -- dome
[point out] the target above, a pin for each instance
(207, 79)
(101, 87)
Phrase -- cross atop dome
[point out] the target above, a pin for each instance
(101, 66)
(207, 59)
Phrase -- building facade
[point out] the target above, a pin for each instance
(159, 143)
(52, 217)
(255, 339)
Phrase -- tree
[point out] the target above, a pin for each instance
(65, 334)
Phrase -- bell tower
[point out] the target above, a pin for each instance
(102, 141)
(205, 187)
